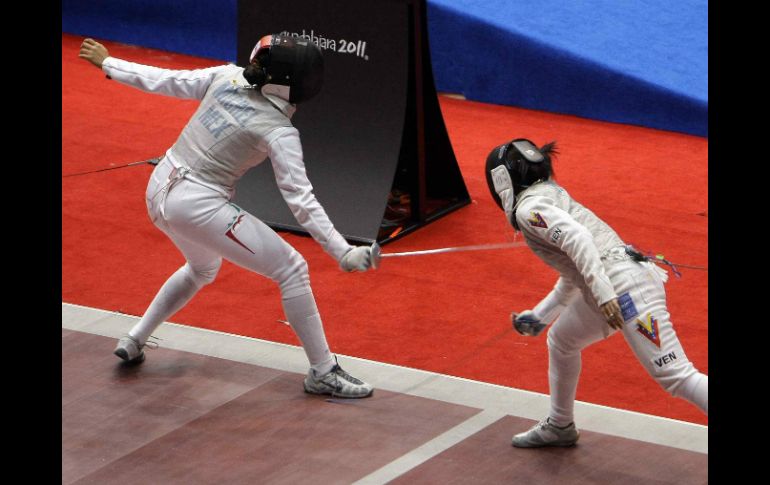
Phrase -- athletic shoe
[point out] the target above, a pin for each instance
(129, 350)
(336, 383)
(546, 434)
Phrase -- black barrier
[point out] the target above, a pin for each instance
(374, 141)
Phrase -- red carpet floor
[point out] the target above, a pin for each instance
(444, 313)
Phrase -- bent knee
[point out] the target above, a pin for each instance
(557, 342)
(294, 276)
(202, 276)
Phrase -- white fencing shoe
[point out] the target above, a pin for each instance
(337, 383)
(546, 434)
(129, 350)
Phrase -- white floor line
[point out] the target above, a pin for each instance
(494, 399)
(423, 453)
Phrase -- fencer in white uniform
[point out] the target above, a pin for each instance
(604, 286)
(243, 119)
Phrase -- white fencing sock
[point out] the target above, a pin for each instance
(172, 296)
(696, 390)
(302, 313)
(563, 375)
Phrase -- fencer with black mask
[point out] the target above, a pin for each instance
(244, 118)
(604, 285)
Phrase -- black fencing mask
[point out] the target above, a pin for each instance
(291, 64)
(508, 172)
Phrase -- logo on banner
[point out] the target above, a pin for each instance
(648, 326)
(342, 46)
(535, 219)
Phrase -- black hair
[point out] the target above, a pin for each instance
(550, 152)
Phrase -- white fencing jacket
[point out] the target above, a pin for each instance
(234, 129)
(571, 239)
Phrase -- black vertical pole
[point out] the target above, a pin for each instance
(421, 209)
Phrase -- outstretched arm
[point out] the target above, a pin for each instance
(93, 52)
(189, 84)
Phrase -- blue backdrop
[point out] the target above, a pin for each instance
(642, 62)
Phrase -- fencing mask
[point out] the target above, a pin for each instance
(290, 67)
(511, 168)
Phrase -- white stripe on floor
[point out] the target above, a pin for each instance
(494, 400)
(423, 453)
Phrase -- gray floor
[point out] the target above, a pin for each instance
(464, 410)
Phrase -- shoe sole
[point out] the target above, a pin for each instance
(334, 394)
(561, 445)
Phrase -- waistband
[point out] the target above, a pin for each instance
(181, 171)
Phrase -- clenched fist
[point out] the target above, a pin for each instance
(93, 52)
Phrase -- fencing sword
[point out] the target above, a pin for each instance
(151, 161)
(377, 254)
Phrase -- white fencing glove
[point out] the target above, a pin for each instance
(527, 323)
(357, 259)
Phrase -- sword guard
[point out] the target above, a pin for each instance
(526, 324)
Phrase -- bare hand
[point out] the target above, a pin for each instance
(612, 313)
(93, 52)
